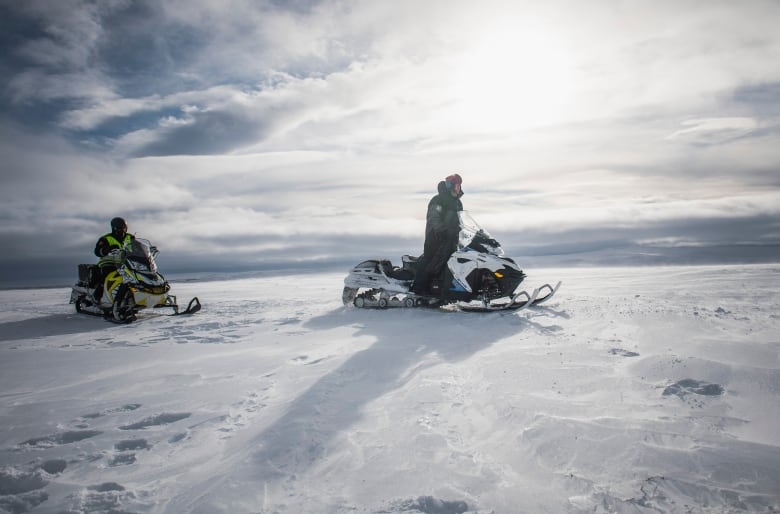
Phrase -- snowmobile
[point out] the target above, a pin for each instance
(477, 278)
(134, 285)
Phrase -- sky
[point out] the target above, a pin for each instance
(245, 135)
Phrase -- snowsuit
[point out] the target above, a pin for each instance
(103, 247)
(442, 227)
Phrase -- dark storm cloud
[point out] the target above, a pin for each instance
(47, 61)
(760, 98)
(697, 233)
(205, 133)
(16, 29)
(145, 52)
(108, 72)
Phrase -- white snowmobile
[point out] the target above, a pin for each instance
(134, 285)
(478, 277)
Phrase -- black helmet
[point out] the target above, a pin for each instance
(118, 224)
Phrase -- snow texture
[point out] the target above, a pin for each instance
(635, 390)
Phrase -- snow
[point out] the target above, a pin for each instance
(634, 390)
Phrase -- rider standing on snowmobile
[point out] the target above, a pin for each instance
(114, 240)
(442, 227)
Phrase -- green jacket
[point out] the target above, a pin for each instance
(106, 244)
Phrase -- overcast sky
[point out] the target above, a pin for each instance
(245, 134)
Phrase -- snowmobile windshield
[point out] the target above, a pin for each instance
(138, 253)
(474, 237)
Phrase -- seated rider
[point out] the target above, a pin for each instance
(442, 227)
(114, 240)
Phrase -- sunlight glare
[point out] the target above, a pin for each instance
(512, 79)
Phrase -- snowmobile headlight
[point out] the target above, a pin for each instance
(498, 274)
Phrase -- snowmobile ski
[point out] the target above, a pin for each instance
(517, 304)
(549, 295)
(192, 307)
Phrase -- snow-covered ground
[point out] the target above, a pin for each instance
(634, 390)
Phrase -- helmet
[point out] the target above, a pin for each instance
(453, 180)
(118, 224)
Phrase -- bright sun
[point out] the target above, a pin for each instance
(511, 80)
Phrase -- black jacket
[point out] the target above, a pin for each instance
(442, 217)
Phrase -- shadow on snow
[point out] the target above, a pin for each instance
(52, 325)
(406, 341)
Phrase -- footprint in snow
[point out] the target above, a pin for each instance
(122, 459)
(431, 505)
(175, 438)
(105, 497)
(71, 436)
(241, 414)
(689, 386)
(623, 353)
(132, 444)
(165, 418)
(124, 408)
(21, 491)
(54, 466)
(24, 489)
(126, 451)
(14, 481)
(304, 358)
(105, 487)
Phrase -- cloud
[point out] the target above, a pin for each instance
(321, 65)
(55, 43)
(206, 133)
(713, 131)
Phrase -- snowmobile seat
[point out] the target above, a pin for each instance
(402, 274)
(89, 274)
(409, 262)
(395, 272)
